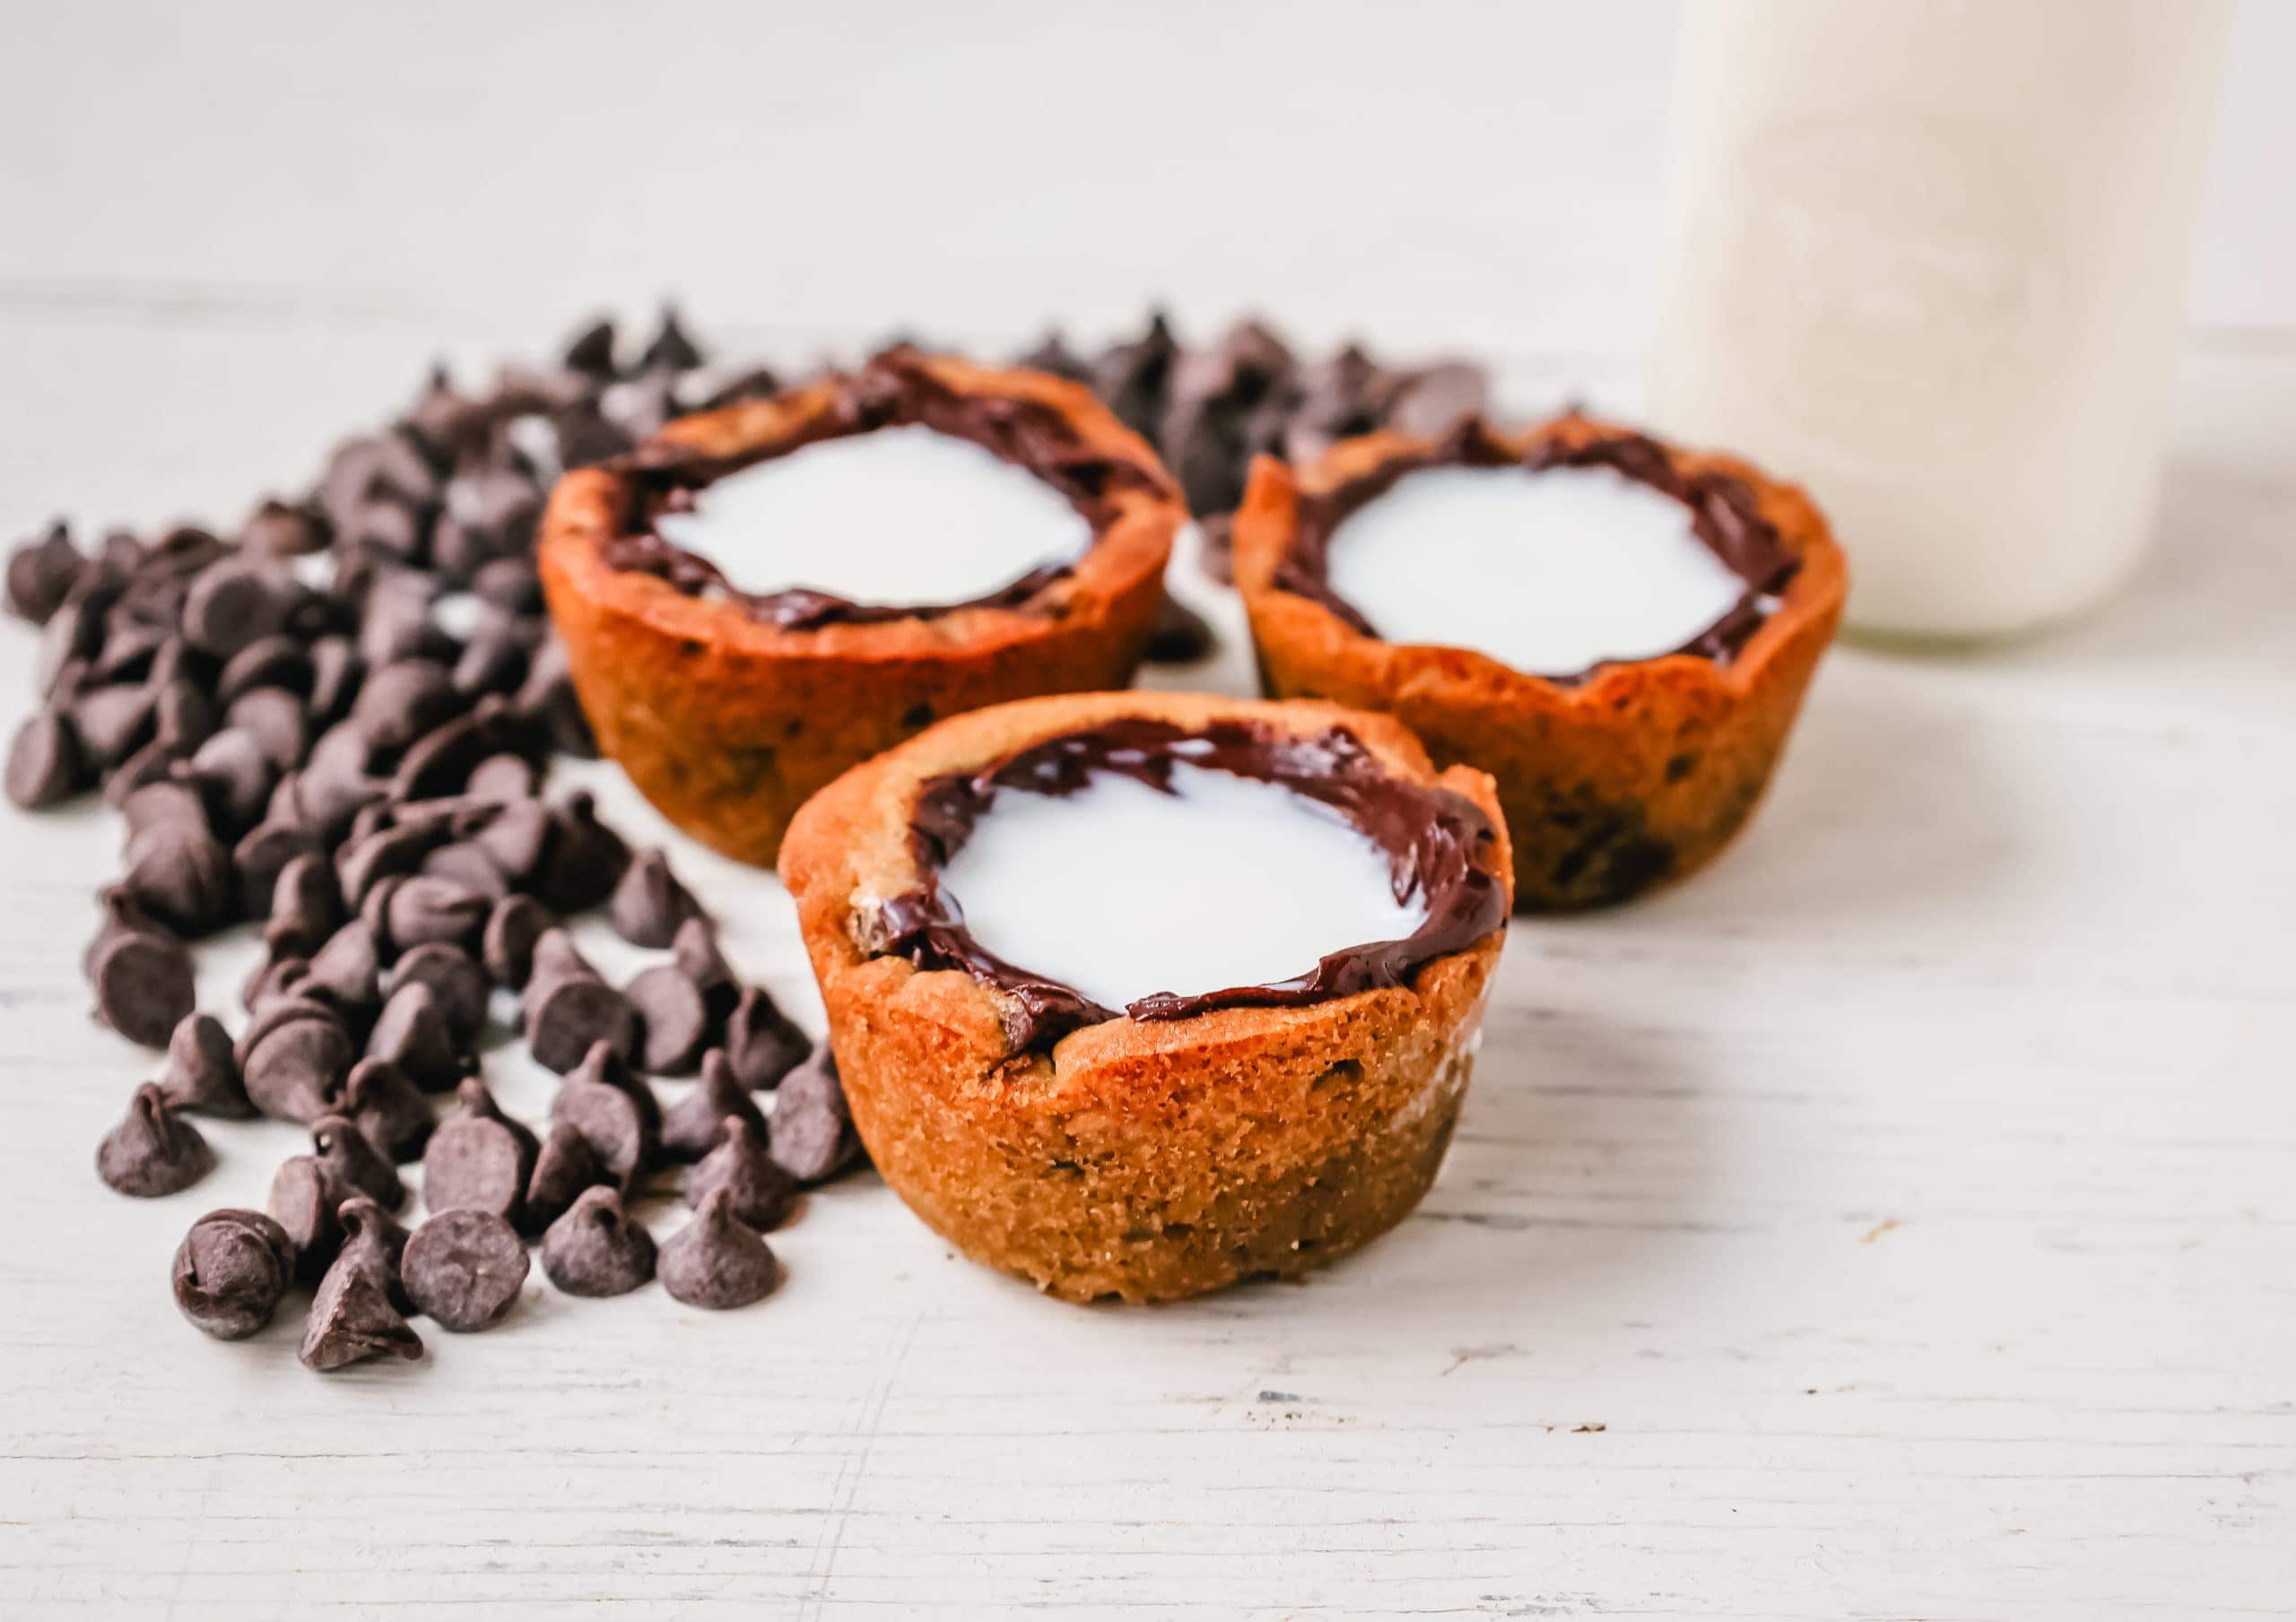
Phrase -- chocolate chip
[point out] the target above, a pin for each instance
(464, 1268)
(812, 1128)
(387, 853)
(761, 1045)
(517, 839)
(234, 776)
(121, 914)
(278, 978)
(591, 350)
(273, 717)
(336, 673)
(615, 1112)
(673, 1018)
(182, 876)
(152, 1152)
(128, 652)
(569, 1013)
(508, 944)
(363, 468)
(426, 909)
(479, 1158)
(597, 1248)
(458, 984)
(42, 572)
(695, 1123)
(389, 1109)
(373, 1243)
(277, 530)
(293, 1058)
(757, 1190)
(261, 855)
(352, 1319)
(563, 1168)
(234, 603)
(441, 761)
(717, 1261)
(182, 719)
(230, 1271)
(305, 906)
(402, 701)
(671, 348)
(144, 985)
(66, 647)
(694, 952)
(395, 619)
(305, 1199)
(1135, 378)
(325, 798)
(153, 804)
(547, 700)
(114, 721)
(649, 903)
(502, 778)
(347, 970)
(356, 1164)
(413, 1034)
(1179, 635)
(46, 763)
(203, 1074)
(585, 858)
(155, 762)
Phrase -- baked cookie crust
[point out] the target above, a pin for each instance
(1139, 1159)
(1615, 783)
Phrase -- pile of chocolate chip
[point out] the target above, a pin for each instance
(334, 724)
(1209, 410)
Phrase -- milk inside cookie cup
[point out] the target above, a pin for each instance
(905, 514)
(1620, 631)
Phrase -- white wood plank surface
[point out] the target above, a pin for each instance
(1896, 1222)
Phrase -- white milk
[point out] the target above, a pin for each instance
(1122, 891)
(1928, 259)
(898, 514)
(1550, 571)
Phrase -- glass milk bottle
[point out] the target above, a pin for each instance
(1927, 259)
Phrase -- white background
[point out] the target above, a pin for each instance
(1896, 1222)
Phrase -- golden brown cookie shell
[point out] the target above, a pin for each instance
(727, 724)
(1613, 786)
(1145, 1160)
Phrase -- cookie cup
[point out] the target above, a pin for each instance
(729, 723)
(1143, 1160)
(1615, 783)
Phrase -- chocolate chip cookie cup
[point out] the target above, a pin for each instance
(1135, 995)
(764, 596)
(1617, 630)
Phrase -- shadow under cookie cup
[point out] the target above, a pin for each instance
(1614, 783)
(728, 722)
(1143, 1159)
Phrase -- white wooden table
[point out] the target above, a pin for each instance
(1899, 1220)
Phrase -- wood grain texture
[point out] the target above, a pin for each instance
(1894, 1222)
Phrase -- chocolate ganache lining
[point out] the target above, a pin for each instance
(1439, 847)
(895, 387)
(1724, 515)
